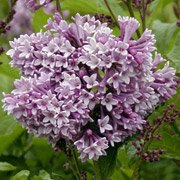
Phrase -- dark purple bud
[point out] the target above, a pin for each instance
(1, 50)
(82, 73)
(147, 137)
(138, 138)
(104, 18)
(2, 24)
(161, 151)
(156, 158)
(89, 132)
(8, 28)
(67, 165)
(83, 175)
(137, 3)
(134, 143)
(138, 152)
(156, 151)
(145, 155)
(158, 137)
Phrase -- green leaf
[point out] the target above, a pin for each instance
(117, 7)
(164, 169)
(4, 166)
(83, 7)
(170, 137)
(123, 170)
(174, 54)
(39, 20)
(9, 128)
(105, 166)
(42, 150)
(170, 143)
(162, 10)
(92, 7)
(164, 33)
(6, 69)
(43, 175)
(8, 138)
(22, 175)
(4, 8)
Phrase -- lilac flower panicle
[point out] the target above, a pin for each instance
(81, 83)
(36, 4)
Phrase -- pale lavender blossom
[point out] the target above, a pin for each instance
(93, 62)
(115, 80)
(103, 124)
(109, 101)
(91, 146)
(91, 81)
(82, 84)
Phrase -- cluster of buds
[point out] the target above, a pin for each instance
(143, 141)
(1, 50)
(4, 24)
(153, 155)
(104, 18)
(36, 4)
(4, 27)
(139, 3)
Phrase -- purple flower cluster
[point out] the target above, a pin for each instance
(81, 83)
(21, 22)
(36, 4)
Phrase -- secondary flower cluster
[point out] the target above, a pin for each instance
(150, 133)
(36, 4)
(83, 84)
(21, 22)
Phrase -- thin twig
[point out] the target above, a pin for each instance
(76, 163)
(111, 12)
(9, 18)
(143, 18)
(59, 9)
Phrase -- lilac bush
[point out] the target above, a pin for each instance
(81, 83)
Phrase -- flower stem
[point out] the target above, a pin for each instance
(144, 6)
(131, 12)
(111, 12)
(97, 171)
(13, 3)
(74, 165)
(58, 7)
(76, 162)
